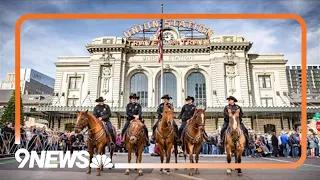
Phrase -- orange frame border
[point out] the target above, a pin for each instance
(176, 16)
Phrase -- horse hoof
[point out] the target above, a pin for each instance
(98, 174)
(127, 172)
(229, 172)
(197, 172)
(88, 172)
(140, 172)
(168, 173)
(176, 169)
(190, 174)
(185, 168)
(240, 174)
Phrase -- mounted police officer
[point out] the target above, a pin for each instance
(166, 99)
(133, 110)
(103, 113)
(187, 112)
(233, 107)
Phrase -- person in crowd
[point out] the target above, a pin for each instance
(275, 145)
(103, 113)
(294, 144)
(252, 140)
(285, 144)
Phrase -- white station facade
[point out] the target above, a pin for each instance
(196, 62)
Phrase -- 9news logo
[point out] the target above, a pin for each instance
(78, 158)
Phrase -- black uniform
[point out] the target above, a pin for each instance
(226, 120)
(105, 113)
(186, 113)
(160, 111)
(133, 109)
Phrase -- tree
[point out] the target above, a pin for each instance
(9, 111)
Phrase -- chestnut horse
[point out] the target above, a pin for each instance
(165, 135)
(234, 140)
(98, 138)
(193, 137)
(135, 139)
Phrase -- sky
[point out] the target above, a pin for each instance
(43, 41)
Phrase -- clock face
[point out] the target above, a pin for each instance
(168, 37)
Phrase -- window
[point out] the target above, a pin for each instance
(266, 102)
(73, 102)
(196, 87)
(264, 81)
(169, 87)
(139, 85)
(75, 83)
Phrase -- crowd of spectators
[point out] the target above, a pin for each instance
(285, 144)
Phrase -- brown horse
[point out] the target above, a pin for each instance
(98, 137)
(165, 135)
(135, 139)
(193, 137)
(234, 140)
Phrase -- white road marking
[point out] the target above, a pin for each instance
(279, 160)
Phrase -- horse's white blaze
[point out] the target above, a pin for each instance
(235, 125)
(202, 118)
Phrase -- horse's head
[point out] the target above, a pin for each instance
(199, 118)
(234, 119)
(82, 120)
(135, 131)
(168, 113)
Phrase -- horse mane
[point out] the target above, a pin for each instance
(91, 116)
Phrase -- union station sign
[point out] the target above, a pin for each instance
(187, 24)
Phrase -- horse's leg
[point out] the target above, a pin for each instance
(161, 155)
(185, 152)
(229, 153)
(90, 148)
(239, 155)
(176, 153)
(197, 149)
(111, 153)
(168, 156)
(129, 148)
(139, 156)
(190, 147)
(100, 148)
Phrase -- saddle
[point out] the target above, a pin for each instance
(106, 130)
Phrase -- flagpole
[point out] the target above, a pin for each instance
(162, 51)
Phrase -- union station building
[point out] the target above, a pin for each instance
(196, 62)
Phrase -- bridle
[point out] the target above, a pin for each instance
(137, 135)
(197, 138)
(238, 130)
(197, 122)
(92, 135)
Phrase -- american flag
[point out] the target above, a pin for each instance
(160, 43)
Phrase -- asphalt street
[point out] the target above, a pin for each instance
(309, 170)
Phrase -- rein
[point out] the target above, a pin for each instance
(93, 134)
(197, 138)
(240, 134)
(137, 135)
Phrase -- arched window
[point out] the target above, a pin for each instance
(196, 87)
(139, 85)
(169, 87)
